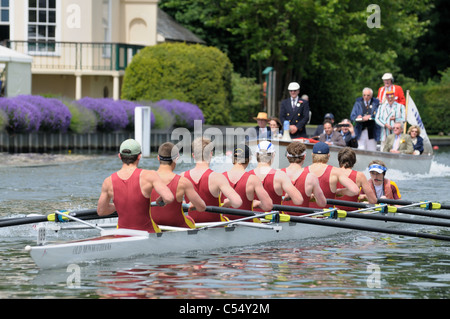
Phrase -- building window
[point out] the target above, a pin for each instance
(42, 25)
(4, 12)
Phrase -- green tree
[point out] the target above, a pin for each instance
(325, 45)
(190, 73)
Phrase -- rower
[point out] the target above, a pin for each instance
(329, 176)
(129, 189)
(347, 159)
(275, 182)
(303, 180)
(247, 185)
(382, 186)
(173, 214)
(208, 184)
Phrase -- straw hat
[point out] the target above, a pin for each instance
(262, 116)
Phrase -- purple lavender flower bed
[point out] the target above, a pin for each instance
(31, 113)
(185, 113)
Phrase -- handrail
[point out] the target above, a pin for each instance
(77, 56)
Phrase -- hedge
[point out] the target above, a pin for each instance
(28, 113)
(176, 71)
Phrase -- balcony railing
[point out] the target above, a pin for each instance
(77, 56)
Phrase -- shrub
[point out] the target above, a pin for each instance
(432, 101)
(55, 114)
(246, 98)
(83, 120)
(23, 117)
(3, 120)
(175, 71)
(184, 113)
(109, 117)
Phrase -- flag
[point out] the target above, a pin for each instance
(413, 118)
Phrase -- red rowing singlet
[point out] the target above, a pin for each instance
(352, 176)
(171, 214)
(241, 188)
(132, 207)
(202, 189)
(324, 182)
(299, 183)
(268, 186)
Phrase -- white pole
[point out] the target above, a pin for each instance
(142, 129)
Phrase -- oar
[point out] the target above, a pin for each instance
(391, 209)
(82, 214)
(406, 202)
(332, 223)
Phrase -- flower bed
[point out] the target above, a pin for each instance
(31, 113)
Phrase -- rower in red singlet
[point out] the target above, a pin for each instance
(347, 159)
(303, 180)
(173, 214)
(328, 175)
(275, 182)
(248, 186)
(129, 189)
(208, 184)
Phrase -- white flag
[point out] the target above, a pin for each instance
(413, 118)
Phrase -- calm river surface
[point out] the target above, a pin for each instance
(338, 267)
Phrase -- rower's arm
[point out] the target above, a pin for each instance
(155, 182)
(104, 205)
(289, 188)
(265, 202)
(319, 197)
(194, 197)
(223, 186)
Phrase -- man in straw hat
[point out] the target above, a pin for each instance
(261, 131)
(128, 191)
(296, 111)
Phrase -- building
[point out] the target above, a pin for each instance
(82, 47)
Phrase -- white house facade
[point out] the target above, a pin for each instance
(79, 47)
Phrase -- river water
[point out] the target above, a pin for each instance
(356, 265)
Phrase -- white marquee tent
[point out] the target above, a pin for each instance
(16, 72)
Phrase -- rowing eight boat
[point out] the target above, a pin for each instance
(125, 243)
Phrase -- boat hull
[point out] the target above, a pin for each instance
(121, 246)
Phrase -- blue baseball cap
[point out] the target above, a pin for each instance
(321, 148)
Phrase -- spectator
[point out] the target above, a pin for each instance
(331, 137)
(261, 131)
(348, 133)
(416, 139)
(363, 113)
(296, 111)
(319, 129)
(387, 114)
(389, 86)
(276, 128)
(398, 142)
